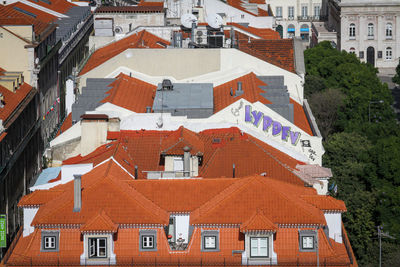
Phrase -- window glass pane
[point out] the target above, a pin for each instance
(263, 249)
(254, 247)
(209, 242)
(178, 164)
(92, 247)
(101, 247)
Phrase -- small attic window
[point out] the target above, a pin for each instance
(216, 140)
(167, 85)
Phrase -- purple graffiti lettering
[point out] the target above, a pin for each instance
(248, 116)
(257, 117)
(267, 123)
(285, 132)
(276, 128)
(294, 137)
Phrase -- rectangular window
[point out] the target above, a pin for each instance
(147, 241)
(317, 11)
(98, 247)
(279, 12)
(389, 53)
(307, 242)
(304, 11)
(291, 12)
(178, 164)
(49, 242)
(259, 247)
(210, 242)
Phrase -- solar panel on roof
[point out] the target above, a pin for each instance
(25, 12)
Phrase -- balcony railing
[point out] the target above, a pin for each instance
(311, 18)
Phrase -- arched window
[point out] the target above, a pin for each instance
(304, 32)
(352, 30)
(279, 29)
(291, 30)
(352, 50)
(389, 30)
(388, 53)
(370, 30)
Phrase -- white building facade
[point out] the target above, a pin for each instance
(371, 30)
(294, 17)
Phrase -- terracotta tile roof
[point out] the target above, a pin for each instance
(177, 140)
(178, 195)
(327, 203)
(60, 6)
(40, 15)
(131, 9)
(131, 93)
(13, 100)
(277, 52)
(66, 124)
(39, 197)
(258, 222)
(257, 2)
(19, 18)
(239, 4)
(100, 223)
(264, 33)
(251, 91)
(142, 39)
(300, 118)
(143, 3)
(102, 189)
(241, 200)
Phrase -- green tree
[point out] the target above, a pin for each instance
(396, 78)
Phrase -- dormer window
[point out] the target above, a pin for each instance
(148, 240)
(259, 247)
(307, 240)
(50, 241)
(209, 240)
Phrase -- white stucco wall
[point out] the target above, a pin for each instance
(334, 222)
(29, 214)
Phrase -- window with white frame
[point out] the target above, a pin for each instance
(389, 30)
(352, 30)
(147, 241)
(210, 242)
(97, 247)
(278, 12)
(259, 247)
(178, 164)
(291, 12)
(317, 11)
(352, 50)
(50, 241)
(304, 11)
(370, 30)
(388, 53)
(307, 242)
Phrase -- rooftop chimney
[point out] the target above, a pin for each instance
(136, 172)
(234, 170)
(77, 193)
(239, 90)
(186, 161)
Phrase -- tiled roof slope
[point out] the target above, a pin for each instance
(300, 118)
(264, 33)
(325, 202)
(131, 93)
(66, 124)
(20, 18)
(142, 39)
(60, 6)
(144, 148)
(258, 222)
(40, 15)
(102, 189)
(276, 52)
(13, 99)
(100, 223)
(240, 4)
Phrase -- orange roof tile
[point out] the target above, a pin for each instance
(143, 3)
(177, 140)
(142, 39)
(99, 223)
(39, 197)
(131, 93)
(277, 52)
(238, 202)
(14, 99)
(131, 9)
(300, 118)
(258, 222)
(251, 92)
(264, 33)
(239, 4)
(325, 202)
(66, 124)
(60, 6)
(40, 15)
(15, 17)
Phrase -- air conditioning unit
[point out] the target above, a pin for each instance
(118, 30)
(200, 36)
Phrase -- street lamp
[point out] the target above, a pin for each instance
(380, 234)
(369, 107)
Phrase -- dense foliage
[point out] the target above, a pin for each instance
(362, 142)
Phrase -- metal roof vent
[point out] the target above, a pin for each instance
(167, 85)
(239, 90)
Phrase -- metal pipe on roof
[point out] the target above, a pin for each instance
(186, 161)
(136, 172)
(234, 170)
(77, 193)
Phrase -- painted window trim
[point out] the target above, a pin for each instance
(97, 248)
(151, 239)
(50, 234)
(215, 242)
(259, 257)
(147, 233)
(307, 233)
(208, 233)
(313, 242)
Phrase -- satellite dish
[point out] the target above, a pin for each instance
(214, 21)
(187, 20)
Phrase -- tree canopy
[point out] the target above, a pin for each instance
(362, 144)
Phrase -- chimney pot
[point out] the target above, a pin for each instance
(186, 161)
